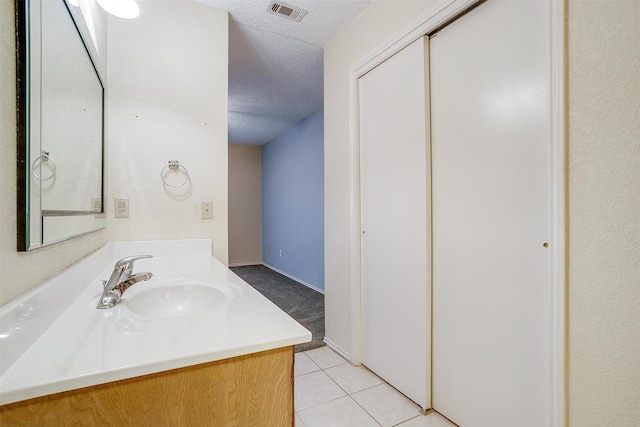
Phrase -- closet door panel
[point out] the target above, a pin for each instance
(490, 164)
(395, 209)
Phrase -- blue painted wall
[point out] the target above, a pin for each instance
(293, 201)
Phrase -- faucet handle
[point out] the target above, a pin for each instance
(127, 263)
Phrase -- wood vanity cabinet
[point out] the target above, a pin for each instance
(251, 390)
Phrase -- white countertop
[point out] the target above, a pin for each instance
(53, 339)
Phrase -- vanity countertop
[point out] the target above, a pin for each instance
(53, 339)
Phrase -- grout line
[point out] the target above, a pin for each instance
(367, 412)
(349, 395)
(334, 381)
(323, 403)
(314, 363)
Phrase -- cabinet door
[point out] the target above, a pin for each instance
(395, 209)
(491, 193)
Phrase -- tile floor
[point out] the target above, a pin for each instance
(330, 392)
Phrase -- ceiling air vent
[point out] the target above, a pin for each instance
(286, 11)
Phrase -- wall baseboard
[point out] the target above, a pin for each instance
(244, 264)
(338, 350)
(302, 282)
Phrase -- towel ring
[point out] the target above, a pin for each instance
(175, 166)
(44, 157)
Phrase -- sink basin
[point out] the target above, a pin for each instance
(179, 297)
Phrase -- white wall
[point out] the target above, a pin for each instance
(245, 204)
(604, 213)
(22, 271)
(167, 100)
(366, 33)
(177, 86)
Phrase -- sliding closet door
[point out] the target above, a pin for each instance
(491, 278)
(395, 208)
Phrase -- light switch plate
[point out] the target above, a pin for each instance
(206, 210)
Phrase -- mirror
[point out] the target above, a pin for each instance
(60, 127)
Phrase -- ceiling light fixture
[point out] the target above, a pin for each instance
(127, 9)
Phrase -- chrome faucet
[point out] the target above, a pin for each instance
(121, 279)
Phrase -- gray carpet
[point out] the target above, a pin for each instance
(298, 301)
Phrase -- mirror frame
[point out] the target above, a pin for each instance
(22, 153)
(23, 179)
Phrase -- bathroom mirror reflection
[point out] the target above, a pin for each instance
(60, 128)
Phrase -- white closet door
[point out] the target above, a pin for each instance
(395, 207)
(491, 278)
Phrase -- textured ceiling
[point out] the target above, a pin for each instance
(275, 65)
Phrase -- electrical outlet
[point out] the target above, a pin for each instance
(96, 204)
(206, 210)
(122, 207)
(280, 253)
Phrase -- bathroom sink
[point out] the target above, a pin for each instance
(179, 297)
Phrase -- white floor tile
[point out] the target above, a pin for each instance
(299, 422)
(353, 379)
(432, 419)
(304, 365)
(325, 358)
(315, 389)
(387, 405)
(343, 412)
